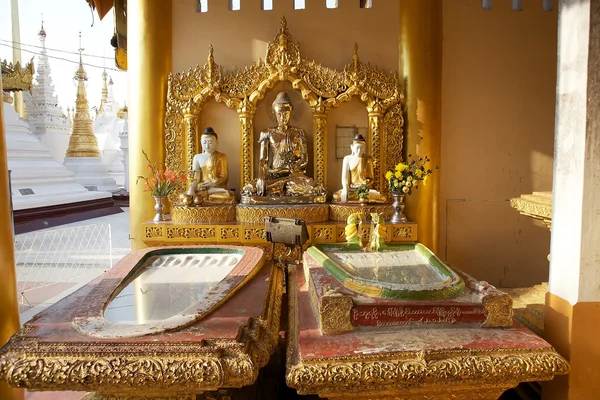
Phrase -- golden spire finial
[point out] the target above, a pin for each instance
(42, 32)
(82, 142)
(283, 23)
(355, 56)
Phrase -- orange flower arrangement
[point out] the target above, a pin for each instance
(162, 181)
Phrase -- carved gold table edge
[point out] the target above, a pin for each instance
(190, 368)
(377, 376)
(535, 205)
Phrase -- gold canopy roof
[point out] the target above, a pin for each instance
(15, 77)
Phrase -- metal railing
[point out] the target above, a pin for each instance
(60, 256)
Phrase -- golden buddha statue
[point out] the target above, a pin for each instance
(211, 173)
(283, 160)
(357, 172)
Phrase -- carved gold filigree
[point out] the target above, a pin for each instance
(15, 77)
(334, 313)
(402, 232)
(322, 234)
(256, 214)
(499, 311)
(342, 212)
(536, 205)
(191, 233)
(393, 122)
(416, 374)
(152, 368)
(153, 232)
(206, 214)
(323, 88)
(255, 234)
(229, 234)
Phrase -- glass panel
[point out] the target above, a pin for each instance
(168, 285)
(398, 267)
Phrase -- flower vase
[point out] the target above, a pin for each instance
(398, 206)
(159, 207)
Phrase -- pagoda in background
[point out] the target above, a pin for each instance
(83, 155)
(46, 118)
(107, 127)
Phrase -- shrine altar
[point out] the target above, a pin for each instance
(402, 362)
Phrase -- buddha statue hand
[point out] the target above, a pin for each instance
(261, 187)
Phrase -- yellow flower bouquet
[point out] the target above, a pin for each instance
(406, 177)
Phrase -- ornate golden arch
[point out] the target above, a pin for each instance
(323, 88)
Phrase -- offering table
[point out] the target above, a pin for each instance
(403, 360)
(73, 346)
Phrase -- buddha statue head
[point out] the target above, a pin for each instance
(359, 145)
(209, 140)
(282, 108)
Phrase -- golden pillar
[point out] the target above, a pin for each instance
(149, 63)
(9, 307)
(320, 132)
(420, 68)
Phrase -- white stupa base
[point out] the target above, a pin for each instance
(91, 173)
(37, 180)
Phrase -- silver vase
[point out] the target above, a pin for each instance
(398, 206)
(159, 207)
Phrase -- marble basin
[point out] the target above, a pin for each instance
(406, 271)
(171, 288)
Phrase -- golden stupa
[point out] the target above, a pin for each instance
(83, 142)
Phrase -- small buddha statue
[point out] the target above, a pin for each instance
(357, 171)
(211, 173)
(283, 158)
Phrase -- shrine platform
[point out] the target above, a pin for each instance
(441, 362)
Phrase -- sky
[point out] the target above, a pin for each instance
(63, 19)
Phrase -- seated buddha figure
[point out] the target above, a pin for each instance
(283, 157)
(211, 173)
(357, 171)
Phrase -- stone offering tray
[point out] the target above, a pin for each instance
(408, 272)
(222, 347)
(342, 307)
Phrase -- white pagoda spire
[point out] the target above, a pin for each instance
(46, 118)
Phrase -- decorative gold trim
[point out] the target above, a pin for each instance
(204, 214)
(154, 368)
(417, 373)
(499, 311)
(254, 214)
(341, 212)
(334, 313)
(537, 205)
(321, 87)
(15, 77)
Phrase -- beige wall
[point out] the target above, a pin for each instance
(325, 35)
(498, 95)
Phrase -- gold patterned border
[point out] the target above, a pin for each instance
(205, 214)
(155, 369)
(535, 205)
(254, 214)
(341, 212)
(323, 88)
(391, 374)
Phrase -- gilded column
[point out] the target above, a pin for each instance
(246, 114)
(191, 120)
(320, 132)
(149, 36)
(9, 308)
(375, 118)
(421, 68)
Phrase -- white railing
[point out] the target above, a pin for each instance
(52, 260)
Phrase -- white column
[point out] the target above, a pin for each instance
(575, 244)
(124, 136)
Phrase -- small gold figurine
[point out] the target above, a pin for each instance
(377, 231)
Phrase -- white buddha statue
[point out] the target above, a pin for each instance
(357, 171)
(211, 174)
